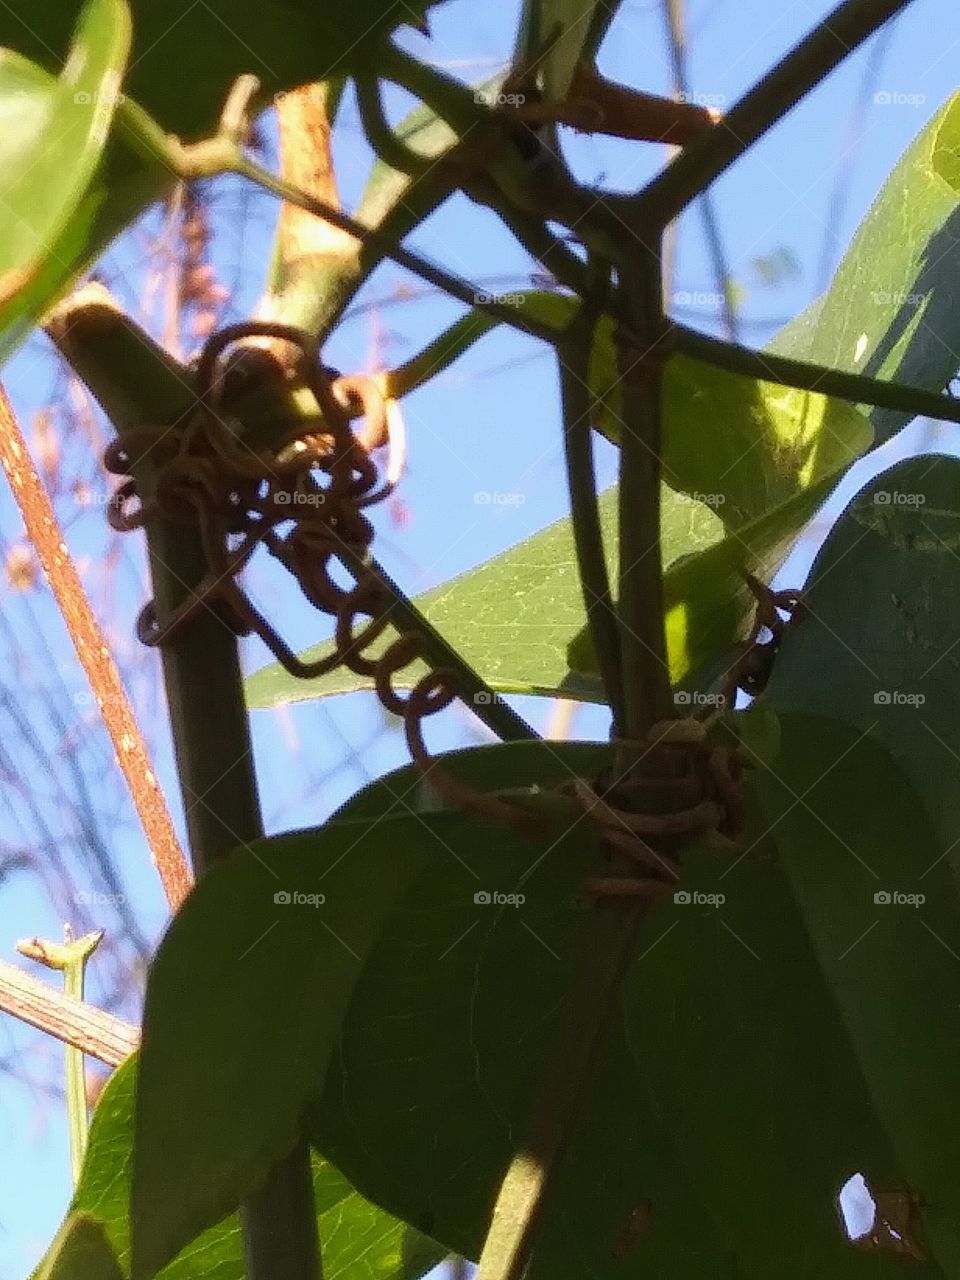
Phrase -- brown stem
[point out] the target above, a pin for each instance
(46, 535)
(98, 1034)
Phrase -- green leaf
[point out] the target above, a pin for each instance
(187, 55)
(511, 618)
(443, 1044)
(877, 643)
(747, 1064)
(891, 311)
(505, 766)
(54, 131)
(80, 1252)
(740, 445)
(243, 1006)
(881, 909)
(359, 1241)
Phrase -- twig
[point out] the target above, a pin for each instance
(786, 372)
(70, 958)
(44, 532)
(574, 355)
(138, 384)
(224, 154)
(809, 62)
(673, 12)
(96, 1033)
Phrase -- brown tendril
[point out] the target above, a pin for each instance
(305, 504)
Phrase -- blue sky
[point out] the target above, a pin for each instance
(489, 423)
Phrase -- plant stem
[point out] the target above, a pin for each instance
(70, 958)
(224, 154)
(46, 536)
(646, 681)
(854, 387)
(574, 360)
(406, 617)
(137, 385)
(809, 62)
(92, 1031)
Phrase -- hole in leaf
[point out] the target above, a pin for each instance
(881, 1221)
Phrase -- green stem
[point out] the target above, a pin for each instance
(704, 159)
(224, 154)
(139, 385)
(786, 372)
(574, 359)
(646, 681)
(406, 617)
(70, 958)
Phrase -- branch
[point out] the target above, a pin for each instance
(138, 385)
(809, 62)
(854, 387)
(574, 355)
(46, 535)
(98, 1034)
(224, 154)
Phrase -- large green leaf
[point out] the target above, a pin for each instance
(893, 309)
(741, 445)
(80, 1251)
(881, 909)
(187, 55)
(746, 1062)
(359, 1241)
(511, 618)
(877, 646)
(504, 766)
(243, 1005)
(443, 1045)
(53, 135)
(519, 619)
